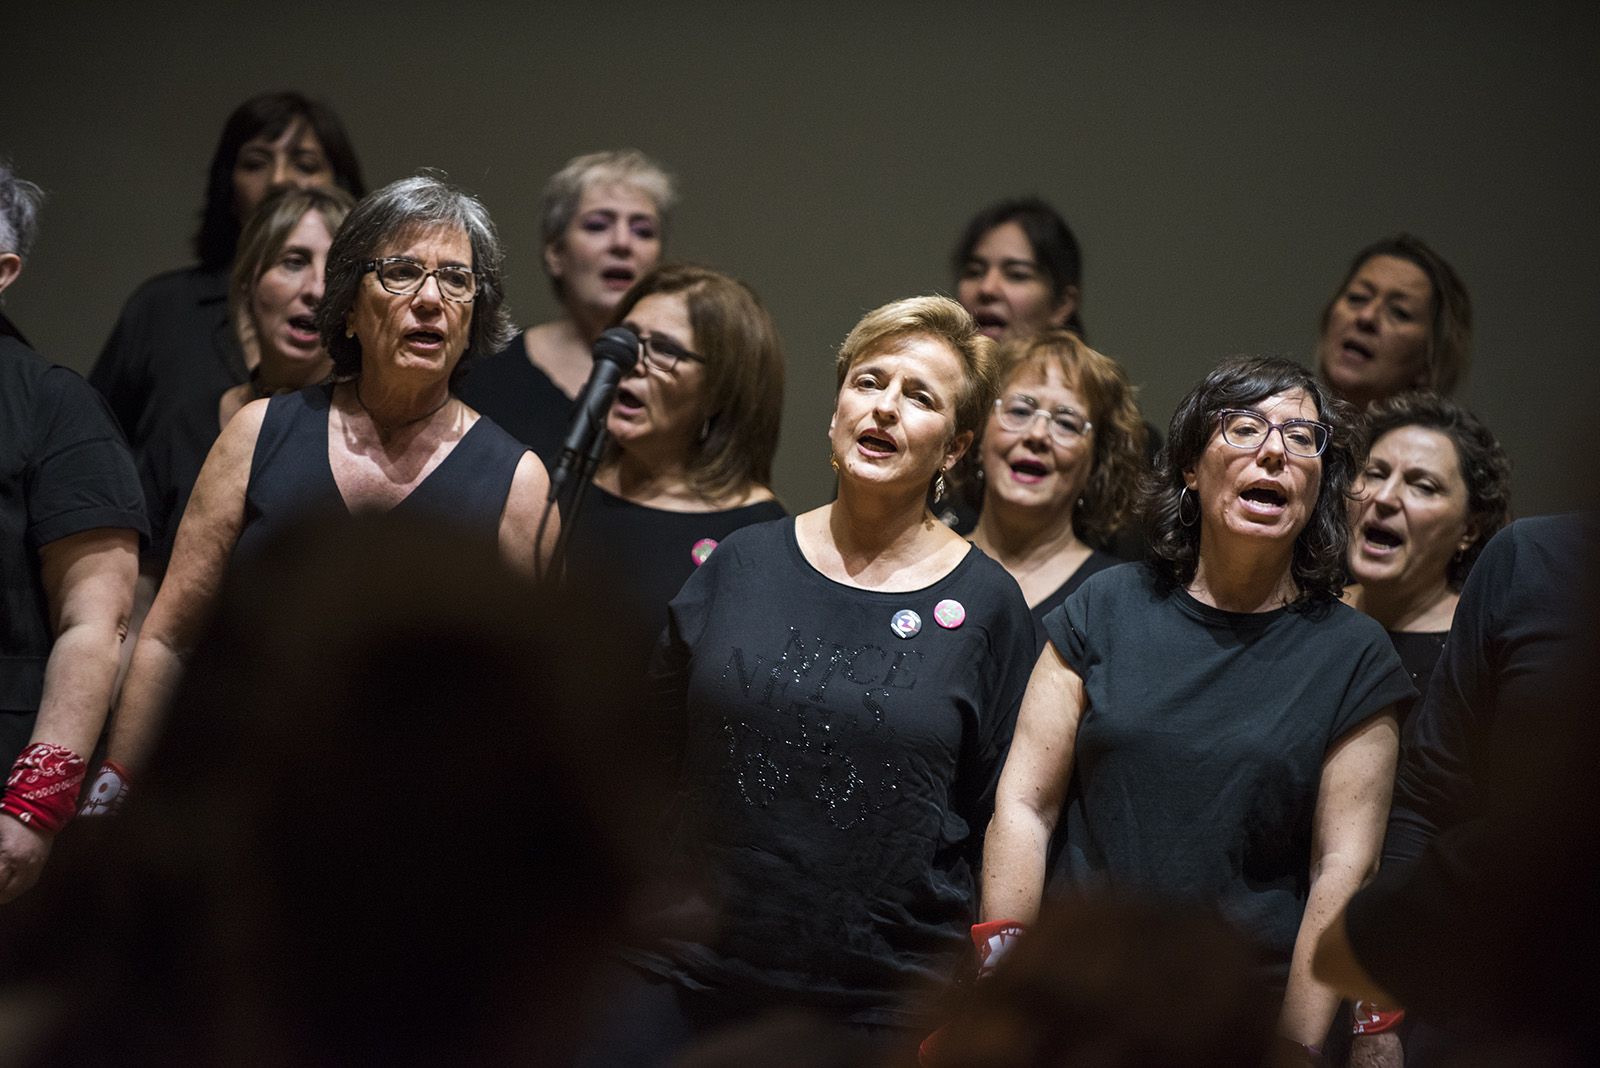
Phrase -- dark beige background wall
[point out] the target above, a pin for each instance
(1219, 162)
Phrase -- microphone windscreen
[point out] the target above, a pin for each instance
(619, 345)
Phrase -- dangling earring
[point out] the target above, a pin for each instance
(833, 461)
(1187, 496)
(938, 487)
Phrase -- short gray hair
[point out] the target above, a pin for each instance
(623, 166)
(19, 211)
(420, 202)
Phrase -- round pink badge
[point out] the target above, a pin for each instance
(949, 614)
(702, 550)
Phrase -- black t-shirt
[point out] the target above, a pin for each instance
(1482, 918)
(633, 559)
(64, 469)
(838, 777)
(1200, 748)
(521, 398)
(172, 345)
(1502, 645)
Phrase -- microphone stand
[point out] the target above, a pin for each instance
(572, 504)
(616, 352)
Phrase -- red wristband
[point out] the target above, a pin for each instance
(42, 791)
(1370, 1019)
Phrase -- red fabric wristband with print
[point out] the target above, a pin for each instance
(42, 791)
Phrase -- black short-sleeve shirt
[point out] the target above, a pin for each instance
(1200, 748)
(172, 345)
(838, 777)
(64, 469)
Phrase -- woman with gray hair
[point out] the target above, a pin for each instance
(602, 216)
(413, 290)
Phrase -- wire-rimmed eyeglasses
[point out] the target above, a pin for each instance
(1017, 413)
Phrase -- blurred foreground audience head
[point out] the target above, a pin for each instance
(387, 822)
(1116, 982)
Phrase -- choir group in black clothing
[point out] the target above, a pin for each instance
(1038, 682)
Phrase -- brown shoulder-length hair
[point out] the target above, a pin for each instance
(1318, 561)
(1450, 307)
(1485, 468)
(1112, 493)
(743, 356)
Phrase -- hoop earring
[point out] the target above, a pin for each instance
(1186, 495)
(938, 488)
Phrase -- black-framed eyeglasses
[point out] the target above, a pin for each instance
(1244, 429)
(663, 353)
(404, 276)
(1017, 413)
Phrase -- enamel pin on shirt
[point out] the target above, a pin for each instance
(949, 613)
(701, 550)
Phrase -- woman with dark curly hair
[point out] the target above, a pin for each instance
(1054, 487)
(1435, 489)
(1216, 726)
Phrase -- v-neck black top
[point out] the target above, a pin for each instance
(291, 477)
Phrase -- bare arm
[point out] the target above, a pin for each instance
(1347, 837)
(206, 537)
(1032, 788)
(519, 523)
(88, 584)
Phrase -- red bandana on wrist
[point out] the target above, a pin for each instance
(42, 791)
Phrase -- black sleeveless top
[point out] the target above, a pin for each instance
(290, 476)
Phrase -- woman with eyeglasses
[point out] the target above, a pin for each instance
(1058, 465)
(174, 343)
(604, 219)
(413, 289)
(693, 429)
(841, 687)
(1214, 725)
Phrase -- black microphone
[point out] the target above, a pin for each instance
(615, 353)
